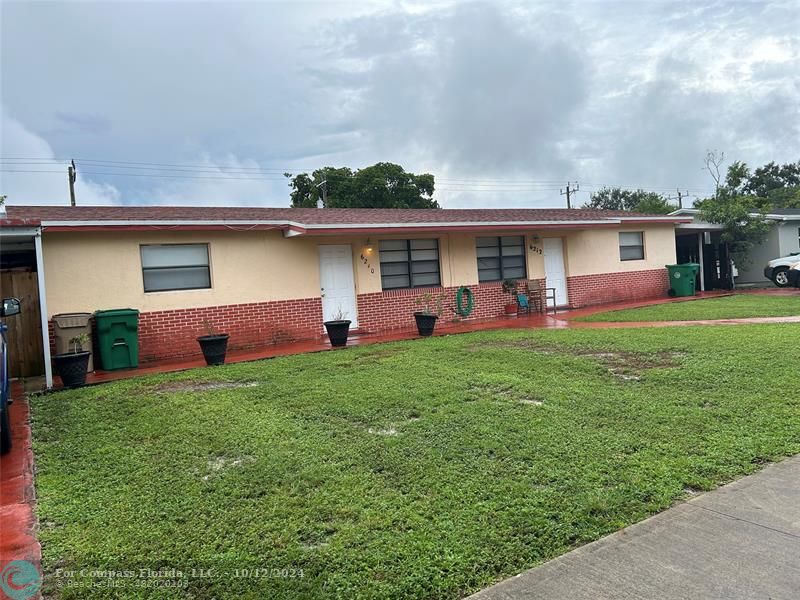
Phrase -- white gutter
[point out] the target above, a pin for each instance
(15, 232)
(168, 223)
(783, 217)
(48, 368)
(287, 223)
(454, 224)
(772, 217)
(664, 219)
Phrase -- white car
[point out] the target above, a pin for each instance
(794, 275)
(778, 269)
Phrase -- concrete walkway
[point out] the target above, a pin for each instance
(739, 541)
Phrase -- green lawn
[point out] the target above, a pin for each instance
(726, 307)
(419, 469)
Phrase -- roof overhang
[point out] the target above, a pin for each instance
(155, 225)
(293, 228)
(693, 212)
(19, 232)
(702, 226)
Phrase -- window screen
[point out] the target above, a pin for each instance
(631, 245)
(500, 258)
(175, 267)
(409, 263)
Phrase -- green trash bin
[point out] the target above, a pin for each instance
(118, 338)
(682, 279)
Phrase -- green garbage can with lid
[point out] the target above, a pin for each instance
(682, 279)
(118, 338)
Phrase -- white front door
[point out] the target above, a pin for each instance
(336, 283)
(554, 271)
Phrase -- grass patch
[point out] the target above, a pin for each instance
(727, 307)
(419, 469)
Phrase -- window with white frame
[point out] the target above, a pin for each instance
(500, 257)
(167, 267)
(409, 263)
(631, 245)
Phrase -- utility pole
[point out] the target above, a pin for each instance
(324, 185)
(569, 191)
(681, 195)
(71, 176)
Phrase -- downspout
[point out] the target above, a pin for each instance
(48, 368)
(700, 241)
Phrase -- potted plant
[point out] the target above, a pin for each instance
(431, 310)
(510, 287)
(72, 366)
(338, 328)
(214, 345)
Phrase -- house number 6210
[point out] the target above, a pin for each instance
(366, 262)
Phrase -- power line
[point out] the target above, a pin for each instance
(187, 171)
(270, 170)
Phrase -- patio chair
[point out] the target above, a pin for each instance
(536, 296)
(522, 304)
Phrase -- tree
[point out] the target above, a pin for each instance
(770, 186)
(740, 212)
(634, 201)
(778, 185)
(383, 185)
(744, 224)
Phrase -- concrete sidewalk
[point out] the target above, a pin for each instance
(739, 541)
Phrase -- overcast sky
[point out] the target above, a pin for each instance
(503, 102)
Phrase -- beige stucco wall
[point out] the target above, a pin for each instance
(88, 271)
(593, 251)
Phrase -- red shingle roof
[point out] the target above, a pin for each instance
(315, 217)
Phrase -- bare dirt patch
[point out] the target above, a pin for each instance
(501, 392)
(217, 465)
(388, 431)
(203, 386)
(629, 366)
(524, 344)
(626, 366)
(378, 356)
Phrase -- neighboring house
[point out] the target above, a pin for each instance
(274, 274)
(782, 240)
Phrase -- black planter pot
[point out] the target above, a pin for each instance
(338, 332)
(214, 348)
(425, 323)
(71, 367)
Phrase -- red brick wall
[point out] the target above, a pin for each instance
(172, 333)
(585, 290)
(394, 309)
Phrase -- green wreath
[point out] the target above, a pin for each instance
(462, 310)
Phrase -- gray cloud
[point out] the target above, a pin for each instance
(471, 88)
(611, 93)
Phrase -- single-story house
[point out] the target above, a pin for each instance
(275, 274)
(698, 241)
